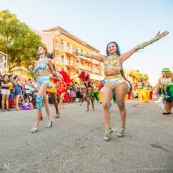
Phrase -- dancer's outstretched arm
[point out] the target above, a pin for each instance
(126, 55)
(91, 56)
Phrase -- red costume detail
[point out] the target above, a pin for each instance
(55, 81)
(62, 87)
(101, 85)
(84, 76)
(66, 77)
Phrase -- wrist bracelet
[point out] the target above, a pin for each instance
(149, 42)
(141, 46)
(32, 72)
(155, 39)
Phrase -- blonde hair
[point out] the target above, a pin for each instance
(169, 74)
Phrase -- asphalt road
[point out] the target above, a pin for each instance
(75, 142)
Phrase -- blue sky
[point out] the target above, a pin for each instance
(128, 22)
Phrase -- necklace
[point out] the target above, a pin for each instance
(113, 55)
(41, 57)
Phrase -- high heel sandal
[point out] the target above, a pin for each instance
(35, 129)
(50, 124)
(57, 115)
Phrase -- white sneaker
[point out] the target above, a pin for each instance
(121, 132)
(108, 135)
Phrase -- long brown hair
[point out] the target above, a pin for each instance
(44, 47)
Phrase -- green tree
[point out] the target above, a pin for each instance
(17, 41)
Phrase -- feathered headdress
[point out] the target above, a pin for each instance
(85, 77)
(66, 77)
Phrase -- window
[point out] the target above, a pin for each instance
(62, 58)
(68, 46)
(55, 42)
(74, 48)
(91, 59)
(91, 68)
(78, 63)
(62, 45)
(68, 59)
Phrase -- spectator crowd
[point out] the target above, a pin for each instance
(19, 93)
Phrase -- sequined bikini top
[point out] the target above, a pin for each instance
(41, 65)
(165, 80)
(111, 65)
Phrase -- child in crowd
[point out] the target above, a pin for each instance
(11, 99)
(32, 102)
(27, 105)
